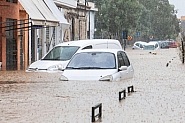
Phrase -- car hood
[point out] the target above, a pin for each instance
(45, 64)
(88, 74)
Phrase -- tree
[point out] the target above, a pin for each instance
(115, 16)
(148, 17)
(162, 21)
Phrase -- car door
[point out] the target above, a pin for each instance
(124, 74)
(130, 69)
(141, 46)
(137, 46)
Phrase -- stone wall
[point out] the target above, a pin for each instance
(78, 23)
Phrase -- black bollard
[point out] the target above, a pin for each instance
(99, 105)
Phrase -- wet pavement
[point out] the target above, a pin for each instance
(159, 95)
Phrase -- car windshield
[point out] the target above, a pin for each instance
(148, 47)
(92, 60)
(61, 53)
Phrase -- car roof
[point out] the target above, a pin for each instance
(140, 42)
(101, 50)
(86, 42)
(151, 43)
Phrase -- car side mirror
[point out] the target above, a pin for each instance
(123, 68)
(61, 68)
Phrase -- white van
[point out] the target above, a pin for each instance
(59, 56)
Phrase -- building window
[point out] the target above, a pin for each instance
(11, 1)
(11, 44)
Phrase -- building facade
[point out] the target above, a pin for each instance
(31, 28)
(77, 17)
(13, 45)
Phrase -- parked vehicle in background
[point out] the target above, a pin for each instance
(164, 45)
(151, 46)
(59, 56)
(99, 64)
(172, 44)
(170, 40)
(139, 45)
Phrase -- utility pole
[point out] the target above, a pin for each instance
(125, 35)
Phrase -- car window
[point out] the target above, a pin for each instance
(87, 47)
(163, 44)
(156, 45)
(141, 46)
(120, 60)
(123, 59)
(148, 47)
(92, 60)
(170, 43)
(137, 44)
(61, 53)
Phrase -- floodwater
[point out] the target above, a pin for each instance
(159, 95)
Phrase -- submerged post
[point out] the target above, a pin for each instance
(124, 94)
(99, 105)
(130, 89)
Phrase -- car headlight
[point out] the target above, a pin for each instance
(31, 69)
(63, 78)
(55, 67)
(106, 78)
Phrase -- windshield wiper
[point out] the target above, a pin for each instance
(90, 67)
(72, 68)
(46, 59)
(85, 68)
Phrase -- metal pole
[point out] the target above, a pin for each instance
(124, 43)
(182, 50)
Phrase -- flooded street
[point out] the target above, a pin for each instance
(41, 98)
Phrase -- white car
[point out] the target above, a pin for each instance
(58, 57)
(139, 45)
(98, 64)
(151, 46)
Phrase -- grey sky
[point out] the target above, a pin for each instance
(180, 6)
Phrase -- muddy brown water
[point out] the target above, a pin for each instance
(41, 98)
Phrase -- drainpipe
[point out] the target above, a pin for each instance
(29, 40)
(44, 41)
(36, 49)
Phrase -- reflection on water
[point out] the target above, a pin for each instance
(11, 82)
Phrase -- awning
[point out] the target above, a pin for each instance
(58, 14)
(48, 15)
(40, 13)
(66, 3)
(34, 13)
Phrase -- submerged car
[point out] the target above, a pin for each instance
(98, 64)
(151, 46)
(164, 45)
(139, 45)
(172, 44)
(58, 57)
